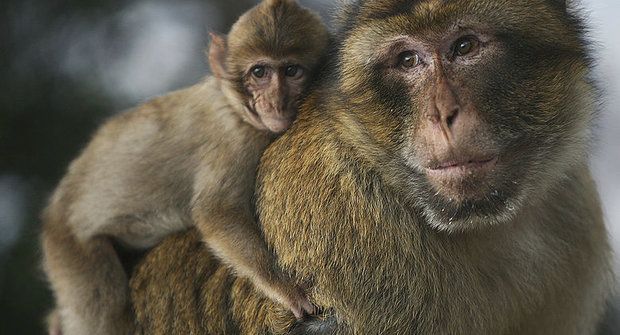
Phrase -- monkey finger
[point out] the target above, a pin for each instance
(308, 307)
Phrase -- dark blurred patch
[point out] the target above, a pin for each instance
(45, 122)
(45, 119)
(24, 299)
(611, 322)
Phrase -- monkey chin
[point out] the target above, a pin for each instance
(469, 215)
(469, 196)
(277, 125)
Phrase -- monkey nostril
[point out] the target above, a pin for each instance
(451, 118)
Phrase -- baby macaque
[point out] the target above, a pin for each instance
(185, 159)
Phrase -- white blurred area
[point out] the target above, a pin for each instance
(161, 48)
(604, 20)
(153, 46)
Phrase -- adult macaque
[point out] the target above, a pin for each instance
(186, 159)
(451, 190)
(437, 181)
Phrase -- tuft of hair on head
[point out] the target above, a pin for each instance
(274, 3)
(276, 29)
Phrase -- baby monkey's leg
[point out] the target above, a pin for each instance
(89, 283)
(235, 238)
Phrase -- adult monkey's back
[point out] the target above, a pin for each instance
(438, 182)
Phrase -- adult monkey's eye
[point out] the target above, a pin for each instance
(258, 71)
(293, 71)
(465, 45)
(408, 59)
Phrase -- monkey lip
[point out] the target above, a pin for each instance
(463, 167)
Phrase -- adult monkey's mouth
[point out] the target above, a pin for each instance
(462, 166)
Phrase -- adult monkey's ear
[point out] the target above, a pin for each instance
(217, 55)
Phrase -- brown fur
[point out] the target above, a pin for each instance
(207, 291)
(185, 159)
(347, 213)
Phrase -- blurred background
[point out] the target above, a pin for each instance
(66, 65)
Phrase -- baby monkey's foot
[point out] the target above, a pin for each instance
(291, 296)
(299, 304)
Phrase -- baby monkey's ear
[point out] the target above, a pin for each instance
(217, 55)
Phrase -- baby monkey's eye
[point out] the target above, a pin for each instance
(465, 45)
(408, 59)
(293, 71)
(258, 71)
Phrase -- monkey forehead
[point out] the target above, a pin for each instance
(375, 20)
(379, 9)
(276, 29)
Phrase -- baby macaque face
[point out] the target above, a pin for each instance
(273, 90)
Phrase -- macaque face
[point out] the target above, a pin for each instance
(273, 90)
(266, 61)
(482, 109)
